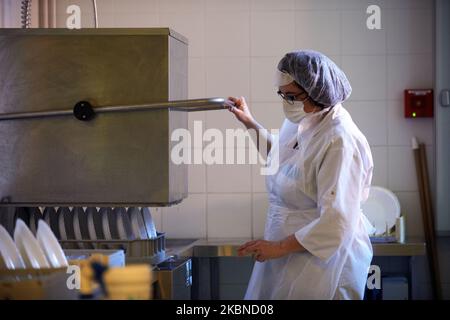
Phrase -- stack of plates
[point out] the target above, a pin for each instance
(29, 247)
(35, 215)
(95, 227)
(124, 228)
(109, 224)
(149, 224)
(138, 223)
(85, 224)
(28, 250)
(30, 216)
(50, 246)
(80, 227)
(65, 225)
(51, 218)
(117, 225)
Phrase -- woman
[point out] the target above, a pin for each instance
(316, 243)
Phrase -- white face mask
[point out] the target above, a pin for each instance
(294, 112)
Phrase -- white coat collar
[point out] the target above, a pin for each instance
(313, 122)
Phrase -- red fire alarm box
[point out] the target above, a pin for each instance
(418, 103)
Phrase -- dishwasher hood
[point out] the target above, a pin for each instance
(55, 152)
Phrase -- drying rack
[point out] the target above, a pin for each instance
(150, 250)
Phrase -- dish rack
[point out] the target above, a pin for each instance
(150, 250)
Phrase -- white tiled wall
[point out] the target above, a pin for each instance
(312, 32)
(360, 41)
(229, 215)
(187, 220)
(234, 48)
(262, 73)
(262, 23)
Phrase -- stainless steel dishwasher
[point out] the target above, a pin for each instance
(86, 118)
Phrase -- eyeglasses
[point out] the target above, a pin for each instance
(290, 98)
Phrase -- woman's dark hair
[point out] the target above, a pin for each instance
(317, 104)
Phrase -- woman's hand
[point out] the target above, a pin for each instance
(262, 250)
(241, 111)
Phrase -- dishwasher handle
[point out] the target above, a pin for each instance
(84, 111)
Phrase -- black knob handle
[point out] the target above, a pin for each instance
(83, 111)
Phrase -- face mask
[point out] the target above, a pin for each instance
(294, 112)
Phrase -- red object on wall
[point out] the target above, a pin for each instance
(419, 103)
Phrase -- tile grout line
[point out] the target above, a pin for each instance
(205, 181)
(252, 231)
(386, 61)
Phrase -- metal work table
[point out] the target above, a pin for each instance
(228, 248)
(214, 248)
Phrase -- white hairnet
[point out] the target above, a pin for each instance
(320, 77)
(282, 79)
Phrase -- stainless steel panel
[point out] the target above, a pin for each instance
(55, 69)
(174, 279)
(118, 158)
(178, 89)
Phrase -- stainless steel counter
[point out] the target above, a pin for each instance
(206, 270)
(412, 247)
(228, 248)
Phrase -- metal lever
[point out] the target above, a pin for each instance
(84, 111)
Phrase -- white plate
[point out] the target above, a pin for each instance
(123, 224)
(35, 216)
(137, 223)
(61, 212)
(104, 213)
(382, 209)
(91, 215)
(149, 224)
(51, 218)
(80, 227)
(9, 254)
(22, 214)
(29, 247)
(90, 212)
(50, 246)
(65, 224)
(95, 224)
(109, 225)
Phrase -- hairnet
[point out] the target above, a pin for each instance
(282, 79)
(318, 75)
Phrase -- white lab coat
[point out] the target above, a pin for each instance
(316, 194)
